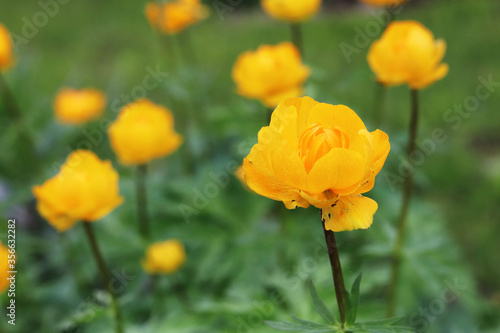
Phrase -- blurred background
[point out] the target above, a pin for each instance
(248, 258)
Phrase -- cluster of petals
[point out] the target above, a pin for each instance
(318, 154)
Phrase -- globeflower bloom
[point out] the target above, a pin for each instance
(383, 2)
(4, 268)
(291, 10)
(173, 17)
(6, 49)
(408, 53)
(164, 257)
(270, 74)
(78, 106)
(86, 188)
(142, 132)
(321, 155)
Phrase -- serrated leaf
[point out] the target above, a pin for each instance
(320, 306)
(352, 310)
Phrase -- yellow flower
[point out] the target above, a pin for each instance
(86, 188)
(408, 53)
(291, 10)
(173, 17)
(164, 257)
(270, 74)
(6, 51)
(4, 268)
(78, 106)
(142, 132)
(384, 2)
(321, 155)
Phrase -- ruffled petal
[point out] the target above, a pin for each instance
(350, 213)
(339, 116)
(427, 80)
(339, 169)
(377, 150)
(260, 178)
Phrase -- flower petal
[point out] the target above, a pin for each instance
(260, 178)
(339, 169)
(381, 148)
(438, 74)
(338, 116)
(350, 213)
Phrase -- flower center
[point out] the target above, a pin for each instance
(317, 141)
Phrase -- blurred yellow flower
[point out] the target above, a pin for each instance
(4, 268)
(291, 10)
(240, 174)
(164, 257)
(86, 188)
(142, 132)
(173, 17)
(6, 50)
(408, 53)
(270, 74)
(383, 2)
(78, 106)
(321, 155)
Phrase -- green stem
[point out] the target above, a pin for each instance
(338, 278)
(297, 38)
(104, 274)
(180, 290)
(379, 104)
(14, 112)
(142, 202)
(407, 192)
(186, 48)
(391, 14)
(167, 44)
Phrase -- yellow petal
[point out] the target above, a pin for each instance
(337, 170)
(286, 163)
(377, 150)
(291, 10)
(381, 147)
(339, 116)
(274, 98)
(350, 213)
(261, 179)
(438, 74)
(271, 73)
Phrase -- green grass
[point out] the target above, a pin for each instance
(243, 248)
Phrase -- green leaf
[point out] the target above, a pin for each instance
(288, 326)
(352, 310)
(384, 322)
(381, 326)
(308, 323)
(285, 326)
(321, 307)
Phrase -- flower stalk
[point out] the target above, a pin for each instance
(297, 38)
(142, 202)
(14, 112)
(407, 192)
(104, 274)
(338, 278)
(187, 49)
(379, 103)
